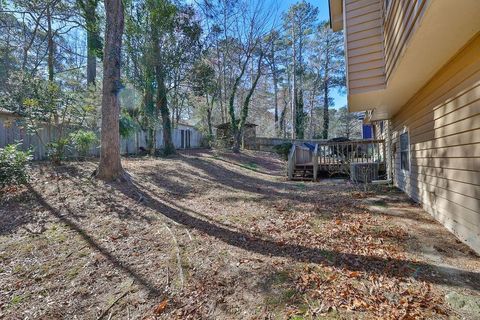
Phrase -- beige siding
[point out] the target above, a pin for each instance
(443, 121)
(401, 19)
(364, 45)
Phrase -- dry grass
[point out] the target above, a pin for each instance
(220, 236)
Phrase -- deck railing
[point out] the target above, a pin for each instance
(352, 151)
(333, 156)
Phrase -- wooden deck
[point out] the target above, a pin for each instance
(333, 157)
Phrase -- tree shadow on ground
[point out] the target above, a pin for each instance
(390, 267)
(94, 245)
(237, 181)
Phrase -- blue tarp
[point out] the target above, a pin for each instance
(309, 146)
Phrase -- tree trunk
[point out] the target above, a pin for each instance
(161, 100)
(91, 69)
(209, 116)
(326, 85)
(245, 107)
(89, 11)
(275, 89)
(92, 37)
(294, 88)
(209, 122)
(150, 112)
(237, 140)
(312, 106)
(326, 116)
(283, 129)
(162, 105)
(50, 44)
(231, 108)
(152, 141)
(300, 115)
(110, 167)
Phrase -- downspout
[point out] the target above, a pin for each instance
(388, 140)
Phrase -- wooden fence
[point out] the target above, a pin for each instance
(11, 132)
(267, 144)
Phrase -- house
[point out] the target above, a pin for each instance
(414, 67)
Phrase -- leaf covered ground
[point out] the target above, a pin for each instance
(213, 235)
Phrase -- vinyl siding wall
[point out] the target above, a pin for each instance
(443, 121)
(364, 45)
(401, 19)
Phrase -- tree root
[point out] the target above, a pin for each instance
(104, 313)
(179, 261)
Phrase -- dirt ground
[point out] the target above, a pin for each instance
(213, 235)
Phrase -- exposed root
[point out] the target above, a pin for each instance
(179, 261)
(104, 313)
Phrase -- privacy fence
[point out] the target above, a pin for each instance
(11, 131)
(267, 144)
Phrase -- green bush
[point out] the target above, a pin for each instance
(82, 141)
(13, 165)
(56, 150)
(127, 125)
(283, 149)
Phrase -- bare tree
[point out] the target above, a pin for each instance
(250, 29)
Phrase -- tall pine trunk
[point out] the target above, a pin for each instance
(275, 89)
(110, 167)
(89, 11)
(50, 43)
(326, 87)
(326, 116)
(92, 37)
(294, 87)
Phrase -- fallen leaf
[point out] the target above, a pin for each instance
(160, 307)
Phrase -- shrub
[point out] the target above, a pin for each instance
(283, 149)
(82, 141)
(13, 165)
(127, 125)
(56, 150)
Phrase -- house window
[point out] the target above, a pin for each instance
(404, 151)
